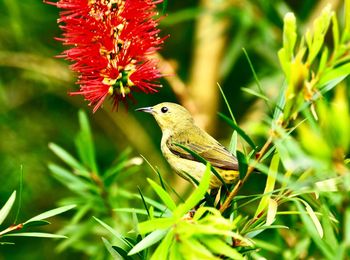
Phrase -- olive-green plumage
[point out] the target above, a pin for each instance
(178, 127)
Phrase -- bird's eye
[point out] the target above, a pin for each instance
(164, 109)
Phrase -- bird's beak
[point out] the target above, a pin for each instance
(145, 109)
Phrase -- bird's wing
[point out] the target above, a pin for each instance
(205, 146)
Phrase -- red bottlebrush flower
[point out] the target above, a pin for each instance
(111, 41)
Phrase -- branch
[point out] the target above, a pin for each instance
(240, 183)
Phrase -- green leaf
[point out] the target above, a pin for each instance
(162, 251)
(335, 31)
(175, 253)
(289, 35)
(267, 245)
(67, 158)
(164, 7)
(239, 131)
(253, 70)
(261, 94)
(314, 218)
(193, 249)
(113, 232)
(233, 143)
(50, 213)
(257, 230)
(243, 164)
(329, 232)
(161, 180)
(335, 73)
(271, 211)
(5, 210)
(323, 61)
(139, 211)
(70, 180)
(153, 224)
(320, 28)
(196, 196)
(202, 160)
(280, 104)
(347, 222)
(285, 62)
(163, 195)
(331, 84)
(34, 234)
(218, 246)
(152, 202)
(254, 93)
(144, 202)
(85, 144)
(36, 223)
(148, 241)
(227, 104)
(6, 243)
(312, 231)
(123, 254)
(121, 162)
(20, 194)
(270, 185)
(346, 35)
(110, 249)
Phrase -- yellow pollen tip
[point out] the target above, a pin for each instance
(110, 90)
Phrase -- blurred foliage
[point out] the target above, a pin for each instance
(297, 100)
(16, 230)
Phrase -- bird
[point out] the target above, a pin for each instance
(179, 129)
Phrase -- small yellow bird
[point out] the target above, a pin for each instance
(178, 127)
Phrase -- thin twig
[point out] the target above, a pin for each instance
(11, 228)
(240, 183)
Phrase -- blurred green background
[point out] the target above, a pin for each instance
(36, 110)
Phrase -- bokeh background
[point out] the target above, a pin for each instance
(205, 47)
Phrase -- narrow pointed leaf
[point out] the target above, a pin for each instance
(218, 246)
(163, 195)
(113, 232)
(243, 164)
(34, 234)
(5, 210)
(270, 184)
(313, 232)
(202, 160)
(254, 93)
(85, 144)
(148, 241)
(239, 130)
(314, 218)
(36, 223)
(271, 211)
(233, 143)
(197, 195)
(66, 157)
(162, 251)
(347, 219)
(51, 213)
(6, 243)
(111, 250)
(154, 224)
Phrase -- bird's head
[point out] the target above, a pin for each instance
(168, 115)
